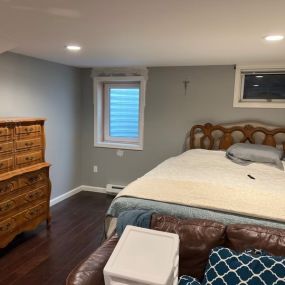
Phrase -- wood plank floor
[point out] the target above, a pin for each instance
(43, 256)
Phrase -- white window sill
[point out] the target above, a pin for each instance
(129, 146)
(246, 104)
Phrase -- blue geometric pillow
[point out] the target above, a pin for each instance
(227, 267)
(188, 280)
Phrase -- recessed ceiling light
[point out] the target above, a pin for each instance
(256, 85)
(259, 76)
(73, 48)
(274, 38)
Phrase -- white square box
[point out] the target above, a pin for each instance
(144, 256)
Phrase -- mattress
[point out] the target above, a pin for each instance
(204, 184)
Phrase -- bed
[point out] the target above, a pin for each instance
(203, 183)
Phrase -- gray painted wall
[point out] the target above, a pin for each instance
(37, 88)
(64, 95)
(169, 115)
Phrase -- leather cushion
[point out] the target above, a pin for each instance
(90, 271)
(242, 237)
(197, 238)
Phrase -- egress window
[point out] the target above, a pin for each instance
(120, 113)
(262, 87)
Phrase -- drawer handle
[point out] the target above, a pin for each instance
(29, 158)
(34, 212)
(34, 196)
(29, 129)
(29, 143)
(34, 179)
(7, 188)
(6, 206)
(31, 196)
(6, 227)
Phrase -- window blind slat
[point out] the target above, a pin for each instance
(124, 112)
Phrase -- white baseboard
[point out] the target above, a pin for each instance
(65, 196)
(76, 190)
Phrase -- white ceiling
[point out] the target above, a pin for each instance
(144, 32)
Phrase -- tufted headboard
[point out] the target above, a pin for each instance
(222, 136)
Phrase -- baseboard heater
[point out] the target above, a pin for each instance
(114, 189)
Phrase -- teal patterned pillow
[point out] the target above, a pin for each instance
(227, 267)
(188, 280)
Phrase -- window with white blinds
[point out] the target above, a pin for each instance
(119, 112)
(122, 112)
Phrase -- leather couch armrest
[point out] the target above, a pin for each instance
(90, 271)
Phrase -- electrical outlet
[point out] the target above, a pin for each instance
(95, 168)
(120, 152)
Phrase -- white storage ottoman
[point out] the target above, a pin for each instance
(145, 257)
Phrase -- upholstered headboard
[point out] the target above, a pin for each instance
(222, 136)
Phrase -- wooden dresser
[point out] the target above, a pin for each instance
(24, 177)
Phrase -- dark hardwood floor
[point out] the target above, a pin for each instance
(45, 256)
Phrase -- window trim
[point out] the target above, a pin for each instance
(239, 102)
(99, 127)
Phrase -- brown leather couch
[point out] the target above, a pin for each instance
(197, 238)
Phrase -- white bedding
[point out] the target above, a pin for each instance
(213, 167)
(207, 179)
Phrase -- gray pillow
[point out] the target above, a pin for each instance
(246, 153)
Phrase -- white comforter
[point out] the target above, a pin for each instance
(207, 179)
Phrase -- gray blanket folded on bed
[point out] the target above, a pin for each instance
(138, 218)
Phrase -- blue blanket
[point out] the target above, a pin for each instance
(123, 204)
(138, 218)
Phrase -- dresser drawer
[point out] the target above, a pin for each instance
(6, 147)
(22, 145)
(37, 194)
(27, 136)
(33, 212)
(27, 129)
(6, 164)
(6, 134)
(32, 178)
(7, 206)
(23, 200)
(17, 222)
(29, 158)
(8, 186)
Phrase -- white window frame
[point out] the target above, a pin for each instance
(101, 133)
(239, 102)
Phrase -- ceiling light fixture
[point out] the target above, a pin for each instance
(259, 76)
(256, 85)
(274, 38)
(73, 48)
